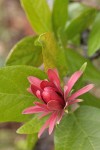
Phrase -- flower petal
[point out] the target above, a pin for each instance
(44, 114)
(54, 78)
(33, 109)
(52, 123)
(80, 92)
(38, 94)
(29, 90)
(75, 101)
(56, 72)
(52, 95)
(65, 91)
(46, 96)
(45, 83)
(73, 79)
(35, 81)
(43, 127)
(54, 105)
(41, 105)
(60, 115)
(51, 89)
(34, 89)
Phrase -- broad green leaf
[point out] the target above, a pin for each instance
(53, 56)
(14, 97)
(38, 14)
(79, 131)
(31, 127)
(94, 38)
(25, 53)
(27, 143)
(75, 61)
(59, 14)
(31, 141)
(80, 23)
(90, 100)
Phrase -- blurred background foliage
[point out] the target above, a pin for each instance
(82, 33)
(13, 27)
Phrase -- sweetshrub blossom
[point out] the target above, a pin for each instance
(53, 100)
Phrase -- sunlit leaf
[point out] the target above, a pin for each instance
(25, 53)
(79, 131)
(31, 141)
(53, 56)
(75, 61)
(94, 38)
(31, 127)
(38, 14)
(59, 14)
(79, 23)
(14, 97)
(90, 100)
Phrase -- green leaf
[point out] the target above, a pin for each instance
(14, 97)
(53, 56)
(83, 67)
(59, 14)
(80, 23)
(75, 9)
(31, 141)
(75, 61)
(31, 127)
(79, 131)
(25, 53)
(38, 14)
(94, 38)
(90, 100)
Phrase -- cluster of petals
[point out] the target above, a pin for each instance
(53, 100)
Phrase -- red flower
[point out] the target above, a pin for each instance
(53, 100)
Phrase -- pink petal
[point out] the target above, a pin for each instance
(46, 96)
(29, 90)
(54, 105)
(52, 95)
(52, 123)
(50, 89)
(60, 115)
(41, 105)
(34, 89)
(72, 81)
(65, 91)
(80, 92)
(35, 81)
(32, 110)
(43, 127)
(38, 94)
(75, 101)
(53, 77)
(46, 84)
(56, 72)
